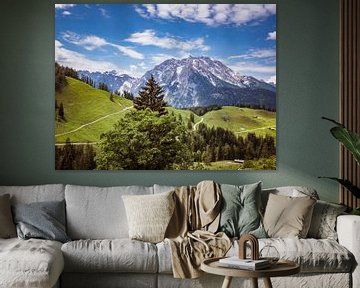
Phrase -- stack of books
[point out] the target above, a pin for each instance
(248, 264)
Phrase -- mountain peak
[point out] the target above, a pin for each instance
(203, 81)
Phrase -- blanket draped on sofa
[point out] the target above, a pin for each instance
(191, 231)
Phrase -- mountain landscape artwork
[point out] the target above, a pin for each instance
(165, 86)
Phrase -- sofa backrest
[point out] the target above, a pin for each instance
(35, 193)
(98, 212)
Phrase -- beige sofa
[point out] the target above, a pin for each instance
(101, 255)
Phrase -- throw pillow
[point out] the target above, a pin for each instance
(7, 227)
(240, 213)
(43, 220)
(323, 222)
(149, 215)
(288, 217)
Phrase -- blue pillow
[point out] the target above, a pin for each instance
(43, 220)
(240, 213)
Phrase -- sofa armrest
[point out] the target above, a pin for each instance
(348, 230)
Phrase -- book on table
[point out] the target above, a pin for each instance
(236, 262)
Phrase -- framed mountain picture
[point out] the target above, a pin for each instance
(165, 86)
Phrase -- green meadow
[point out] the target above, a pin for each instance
(89, 112)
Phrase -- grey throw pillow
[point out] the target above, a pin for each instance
(240, 213)
(7, 227)
(323, 222)
(44, 220)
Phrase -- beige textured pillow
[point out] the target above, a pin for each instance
(288, 217)
(149, 215)
(7, 226)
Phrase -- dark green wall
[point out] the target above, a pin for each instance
(307, 89)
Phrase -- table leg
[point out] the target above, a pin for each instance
(254, 282)
(227, 282)
(267, 283)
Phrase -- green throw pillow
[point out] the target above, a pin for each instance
(240, 213)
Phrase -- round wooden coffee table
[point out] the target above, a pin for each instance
(281, 268)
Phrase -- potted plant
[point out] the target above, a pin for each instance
(351, 141)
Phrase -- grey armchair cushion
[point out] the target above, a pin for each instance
(43, 220)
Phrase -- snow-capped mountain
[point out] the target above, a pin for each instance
(114, 81)
(202, 81)
(194, 81)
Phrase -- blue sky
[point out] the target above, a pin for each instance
(132, 39)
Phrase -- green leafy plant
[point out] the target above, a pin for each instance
(351, 141)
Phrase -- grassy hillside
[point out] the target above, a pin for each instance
(88, 111)
(243, 120)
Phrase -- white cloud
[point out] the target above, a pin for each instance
(79, 61)
(256, 53)
(209, 14)
(148, 37)
(92, 42)
(64, 6)
(272, 79)
(159, 58)
(66, 13)
(271, 36)
(128, 51)
(104, 12)
(253, 69)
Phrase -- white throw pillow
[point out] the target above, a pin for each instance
(149, 215)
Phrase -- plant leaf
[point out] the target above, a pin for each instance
(333, 121)
(348, 138)
(347, 184)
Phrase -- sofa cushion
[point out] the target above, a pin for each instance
(117, 255)
(7, 226)
(43, 220)
(98, 213)
(35, 193)
(30, 263)
(149, 215)
(313, 255)
(287, 216)
(240, 210)
(323, 222)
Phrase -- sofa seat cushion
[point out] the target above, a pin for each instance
(313, 255)
(30, 263)
(115, 255)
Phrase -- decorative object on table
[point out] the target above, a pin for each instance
(177, 87)
(254, 246)
(351, 142)
(270, 253)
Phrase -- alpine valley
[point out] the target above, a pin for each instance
(195, 82)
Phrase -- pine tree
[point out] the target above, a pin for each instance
(192, 118)
(61, 111)
(151, 96)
